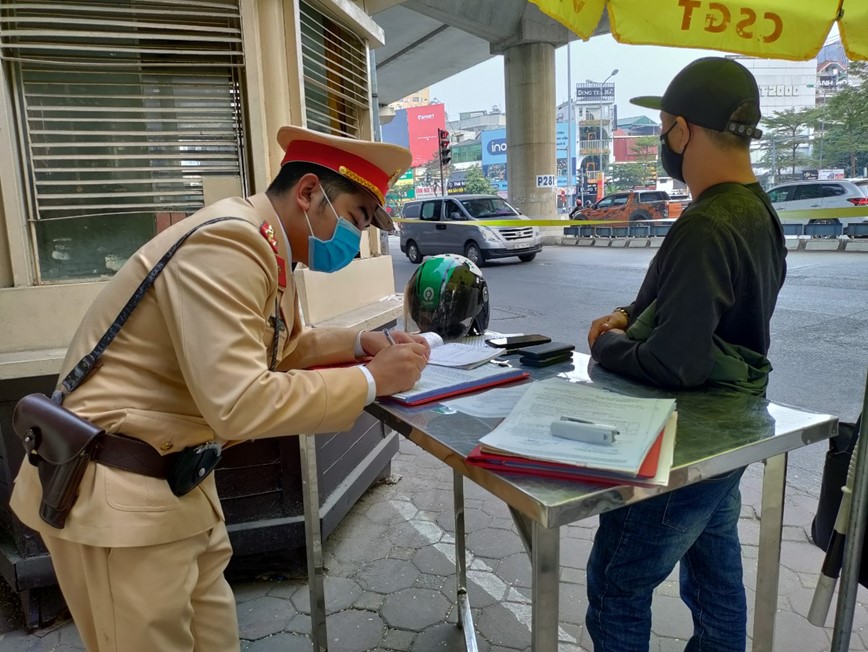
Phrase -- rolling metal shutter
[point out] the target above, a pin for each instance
(123, 106)
(335, 68)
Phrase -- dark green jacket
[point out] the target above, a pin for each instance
(735, 367)
(718, 271)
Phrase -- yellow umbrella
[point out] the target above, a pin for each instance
(772, 29)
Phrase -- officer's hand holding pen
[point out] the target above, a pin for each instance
(375, 341)
(397, 367)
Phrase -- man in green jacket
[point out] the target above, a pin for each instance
(709, 292)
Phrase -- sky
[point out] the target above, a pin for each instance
(642, 70)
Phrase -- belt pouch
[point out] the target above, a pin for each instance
(192, 466)
(59, 444)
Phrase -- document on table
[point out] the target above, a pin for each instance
(459, 354)
(479, 340)
(495, 403)
(464, 356)
(526, 432)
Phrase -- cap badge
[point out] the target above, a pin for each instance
(395, 176)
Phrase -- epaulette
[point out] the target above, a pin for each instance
(267, 232)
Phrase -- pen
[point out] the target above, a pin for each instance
(584, 431)
(389, 337)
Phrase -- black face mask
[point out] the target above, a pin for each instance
(672, 161)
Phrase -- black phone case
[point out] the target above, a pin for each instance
(547, 350)
(545, 362)
(521, 345)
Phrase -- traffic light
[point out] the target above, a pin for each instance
(445, 148)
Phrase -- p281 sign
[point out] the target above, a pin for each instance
(545, 181)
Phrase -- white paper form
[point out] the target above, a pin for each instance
(494, 403)
(454, 354)
(458, 354)
(527, 429)
(479, 340)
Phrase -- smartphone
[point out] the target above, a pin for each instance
(551, 349)
(517, 341)
(545, 362)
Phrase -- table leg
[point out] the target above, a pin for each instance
(465, 617)
(769, 553)
(524, 527)
(543, 547)
(545, 562)
(313, 541)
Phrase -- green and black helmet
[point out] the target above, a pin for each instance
(447, 295)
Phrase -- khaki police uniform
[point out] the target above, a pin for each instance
(142, 569)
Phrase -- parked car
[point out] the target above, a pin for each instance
(632, 206)
(436, 229)
(832, 193)
(862, 184)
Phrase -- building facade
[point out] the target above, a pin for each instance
(121, 117)
(117, 121)
(783, 84)
(419, 98)
(594, 115)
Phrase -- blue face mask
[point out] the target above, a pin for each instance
(338, 251)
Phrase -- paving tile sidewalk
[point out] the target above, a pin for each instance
(390, 583)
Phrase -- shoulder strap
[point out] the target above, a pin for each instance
(80, 371)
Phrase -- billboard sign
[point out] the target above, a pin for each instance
(562, 139)
(591, 93)
(456, 187)
(493, 147)
(422, 125)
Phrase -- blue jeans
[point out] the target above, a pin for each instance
(635, 549)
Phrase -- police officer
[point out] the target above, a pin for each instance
(215, 351)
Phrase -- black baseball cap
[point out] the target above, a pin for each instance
(707, 92)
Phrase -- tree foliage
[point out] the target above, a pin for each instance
(432, 172)
(784, 139)
(843, 124)
(644, 150)
(628, 175)
(475, 182)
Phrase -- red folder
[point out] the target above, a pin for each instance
(516, 464)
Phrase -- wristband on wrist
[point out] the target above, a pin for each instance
(623, 312)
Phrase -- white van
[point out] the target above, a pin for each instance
(436, 228)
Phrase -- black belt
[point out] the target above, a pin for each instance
(135, 455)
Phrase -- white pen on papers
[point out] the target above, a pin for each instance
(584, 431)
(389, 338)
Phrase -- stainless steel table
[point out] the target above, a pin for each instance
(717, 431)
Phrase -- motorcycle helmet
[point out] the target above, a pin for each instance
(447, 295)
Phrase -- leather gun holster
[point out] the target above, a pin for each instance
(59, 444)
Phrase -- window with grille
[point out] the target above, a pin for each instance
(335, 67)
(122, 108)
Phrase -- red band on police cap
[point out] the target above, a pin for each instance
(353, 167)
